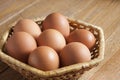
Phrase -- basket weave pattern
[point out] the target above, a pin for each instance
(72, 72)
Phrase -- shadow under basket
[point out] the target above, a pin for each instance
(72, 72)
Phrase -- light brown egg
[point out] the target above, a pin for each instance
(19, 45)
(83, 36)
(57, 21)
(53, 39)
(28, 26)
(74, 52)
(44, 58)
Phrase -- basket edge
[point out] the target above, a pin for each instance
(85, 65)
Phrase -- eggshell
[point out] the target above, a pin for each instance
(83, 36)
(44, 58)
(28, 26)
(74, 52)
(57, 21)
(53, 39)
(19, 45)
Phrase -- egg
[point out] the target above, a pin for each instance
(83, 36)
(74, 52)
(28, 26)
(44, 58)
(19, 45)
(53, 39)
(57, 21)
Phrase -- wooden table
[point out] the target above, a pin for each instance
(103, 13)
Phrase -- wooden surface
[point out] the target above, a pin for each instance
(103, 13)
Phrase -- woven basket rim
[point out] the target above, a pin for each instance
(62, 70)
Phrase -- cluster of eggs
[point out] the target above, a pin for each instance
(53, 47)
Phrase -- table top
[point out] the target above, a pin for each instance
(103, 13)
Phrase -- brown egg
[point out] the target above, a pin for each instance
(74, 52)
(53, 39)
(83, 36)
(44, 58)
(28, 26)
(19, 45)
(58, 22)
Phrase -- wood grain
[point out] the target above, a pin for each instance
(111, 69)
(8, 75)
(103, 13)
(11, 8)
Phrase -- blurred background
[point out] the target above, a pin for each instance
(103, 13)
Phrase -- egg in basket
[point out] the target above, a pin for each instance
(53, 48)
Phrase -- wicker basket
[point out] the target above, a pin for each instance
(72, 72)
